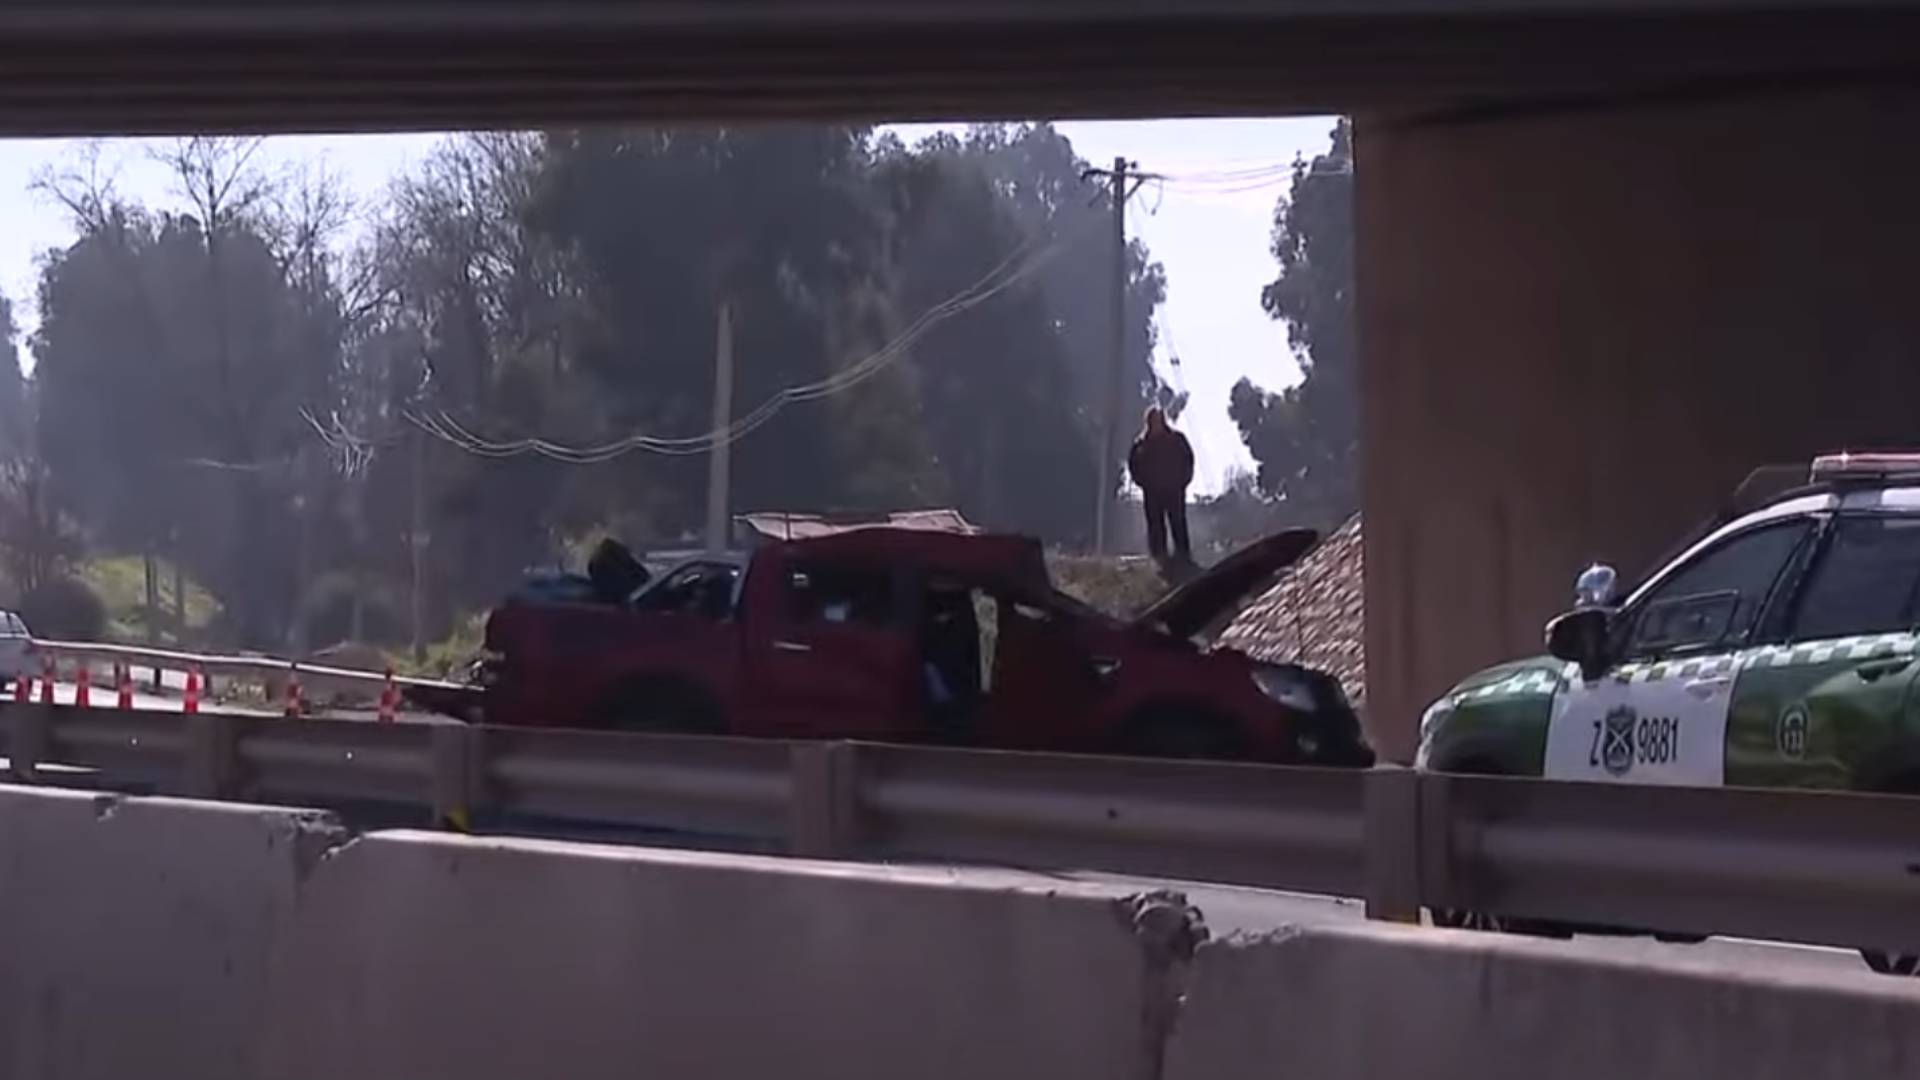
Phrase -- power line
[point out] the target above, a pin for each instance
(1020, 265)
(1249, 180)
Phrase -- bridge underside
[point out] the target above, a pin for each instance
(118, 66)
(1611, 254)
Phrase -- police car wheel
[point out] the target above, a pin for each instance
(1902, 964)
(1455, 919)
(1488, 922)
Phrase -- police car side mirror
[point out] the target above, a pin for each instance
(1580, 637)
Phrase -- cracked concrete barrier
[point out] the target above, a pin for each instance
(1375, 1001)
(174, 938)
(134, 933)
(421, 955)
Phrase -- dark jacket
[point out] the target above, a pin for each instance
(1161, 463)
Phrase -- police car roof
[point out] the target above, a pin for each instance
(1771, 485)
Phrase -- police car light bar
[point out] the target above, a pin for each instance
(1833, 466)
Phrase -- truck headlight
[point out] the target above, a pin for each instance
(1284, 687)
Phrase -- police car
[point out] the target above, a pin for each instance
(1776, 649)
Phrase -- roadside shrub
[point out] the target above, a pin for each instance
(327, 612)
(64, 608)
(1117, 586)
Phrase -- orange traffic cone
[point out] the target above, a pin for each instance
(46, 681)
(82, 698)
(294, 705)
(192, 703)
(123, 682)
(389, 699)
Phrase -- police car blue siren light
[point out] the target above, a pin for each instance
(1595, 586)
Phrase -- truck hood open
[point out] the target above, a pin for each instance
(1225, 586)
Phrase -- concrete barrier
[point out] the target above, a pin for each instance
(1379, 1001)
(172, 938)
(425, 955)
(134, 933)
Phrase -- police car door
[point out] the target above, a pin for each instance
(1659, 716)
(1822, 707)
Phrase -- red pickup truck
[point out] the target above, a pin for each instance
(904, 636)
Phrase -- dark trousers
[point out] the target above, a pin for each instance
(1167, 512)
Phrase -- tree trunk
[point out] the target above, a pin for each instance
(153, 597)
(179, 604)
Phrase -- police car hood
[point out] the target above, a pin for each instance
(1500, 673)
(1222, 588)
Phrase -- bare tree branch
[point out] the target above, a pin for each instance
(85, 186)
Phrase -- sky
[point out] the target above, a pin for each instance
(1211, 234)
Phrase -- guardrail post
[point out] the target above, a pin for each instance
(822, 821)
(213, 756)
(30, 728)
(452, 747)
(1437, 877)
(1392, 800)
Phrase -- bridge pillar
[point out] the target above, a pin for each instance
(1581, 326)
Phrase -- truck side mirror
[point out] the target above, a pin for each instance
(1580, 637)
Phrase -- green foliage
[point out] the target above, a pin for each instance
(328, 616)
(1307, 437)
(221, 385)
(15, 415)
(120, 584)
(1235, 517)
(450, 657)
(175, 352)
(64, 609)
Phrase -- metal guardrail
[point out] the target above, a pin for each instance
(319, 680)
(1836, 869)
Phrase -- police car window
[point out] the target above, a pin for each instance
(1865, 583)
(840, 593)
(1715, 600)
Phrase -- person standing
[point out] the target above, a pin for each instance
(1161, 463)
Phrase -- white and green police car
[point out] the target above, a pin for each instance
(1777, 649)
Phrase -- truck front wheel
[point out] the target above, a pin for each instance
(1174, 731)
(663, 707)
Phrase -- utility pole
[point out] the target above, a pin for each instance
(1117, 178)
(720, 458)
(417, 541)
